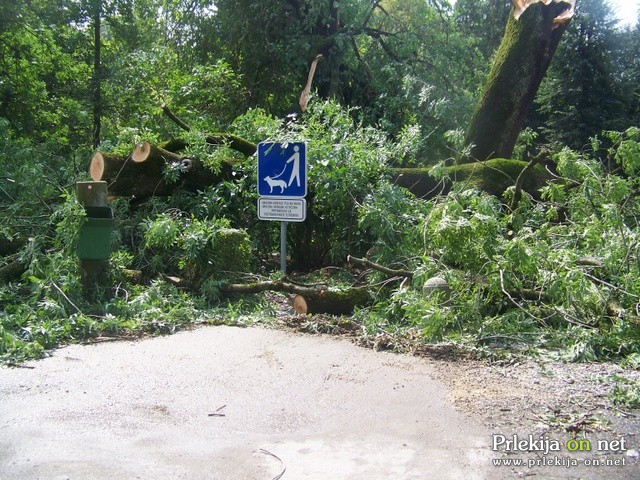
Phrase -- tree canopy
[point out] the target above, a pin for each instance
(399, 63)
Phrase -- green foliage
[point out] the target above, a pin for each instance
(625, 393)
(195, 249)
(42, 79)
(561, 273)
(47, 307)
(393, 218)
(557, 275)
(347, 162)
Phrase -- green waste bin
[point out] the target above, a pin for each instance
(95, 234)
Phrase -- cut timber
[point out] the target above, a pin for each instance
(311, 299)
(105, 166)
(141, 175)
(128, 178)
(155, 158)
(300, 304)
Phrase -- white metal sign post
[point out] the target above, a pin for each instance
(282, 186)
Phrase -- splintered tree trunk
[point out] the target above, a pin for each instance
(531, 37)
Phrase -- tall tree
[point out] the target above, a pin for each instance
(531, 37)
(582, 94)
(97, 71)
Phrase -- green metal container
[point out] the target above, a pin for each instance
(95, 234)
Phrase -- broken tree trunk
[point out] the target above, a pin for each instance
(142, 174)
(493, 176)
(310, 299)
(531, 37)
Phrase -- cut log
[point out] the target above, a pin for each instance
(142, 174)
(145, 152)
(311, 299)
(128, 178)
(106, 166)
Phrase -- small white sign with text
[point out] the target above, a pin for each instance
(282, 209)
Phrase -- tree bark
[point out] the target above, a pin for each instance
(9, 247)
(531, 37)
(310, 299)
(390, 272)
(141, 175)
(128, 178)
(493, 176)
(218, 138)
(97, 72)
(12, 270)
(234, 142)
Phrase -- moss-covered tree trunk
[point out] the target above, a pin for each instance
(522, 59)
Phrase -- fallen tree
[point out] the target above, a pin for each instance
(310, 298)
(493, 176)
(143, 173)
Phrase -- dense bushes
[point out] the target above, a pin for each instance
(561, 273)
(556, 274)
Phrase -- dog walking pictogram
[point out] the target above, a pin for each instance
(272, 182)
(295, 171)
(282, 170)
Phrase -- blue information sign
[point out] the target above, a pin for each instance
(282, 170)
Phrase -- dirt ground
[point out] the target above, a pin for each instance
(257, 403)
(547, 399)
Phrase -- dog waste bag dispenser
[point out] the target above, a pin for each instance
(95, 230)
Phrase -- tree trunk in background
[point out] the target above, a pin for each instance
(97, 73)
(529, 42)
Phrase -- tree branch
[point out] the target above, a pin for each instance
(363, 262)
(310, 299)
(173, 117)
